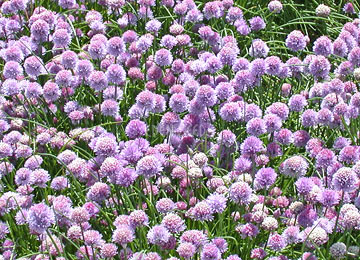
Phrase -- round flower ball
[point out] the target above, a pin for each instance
(275, 6)
(345, 179)
(295, 166)
(135, 128)
(322, 10)
(338, 250)
(296, 41)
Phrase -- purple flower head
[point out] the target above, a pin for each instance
(242, 164)
(153, 26)
(328, 197)
(245, 79)
(325, 158)
(214, 64)
(276, 242)
(109, 250)
(174, 223)
(194, 16)
(275, 6)
(256, 126)
(158, 235)
(169, 122)
(252, 111)
(135, 128)
(213, 9)
(84, 68)
(69, 59)
(63, 78)
(116, 74)
(309, 118)
(307, 217)
(123, 235)
(13, 53)
(98, 80)
(264, 178)
(145, 100)
(251, 146)
(295, 65)
(323, 46)
(248, 230)
(4, 229)
(12, 69)
(33, 162)
(79, 215)
(304, 185)
(340, 48)
(233, 14)
(295, 166)
(40, 217)
(349, 8)
(279, 109)
(105, 145)
(40, 30)
(178, 102)
(186, 250)
(257, 23)
(240, 192)
(241, 64)
(349, 154)
(34, 66)
(341, 142)
(98, 192)
(126, 176)
(165, 205)
(109, 107)
(149, 166)
(284, 136)
(201, 211)
(195, 237)
(39, 177)
(210, 252)
(336, 86)
(274, 149)
(242, 27)
(257, 253)
(224, 90)
(354, 56)
(272, 122)
(22, 176)
(5, 150)
(325, 116)
(206, 95)
(273, 65)
(227, 55)
(297, 103)
(110, 167)
(163, 57)
(221, 244)
(296, 41)
(168, 41)
(258, 49)
(62, 38)
(198, 66)
(217, 202)
(177, 66)
(115, 46)
(345, 179)
(226, 138)
(291, 235)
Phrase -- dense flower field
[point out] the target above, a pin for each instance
(179, 129)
